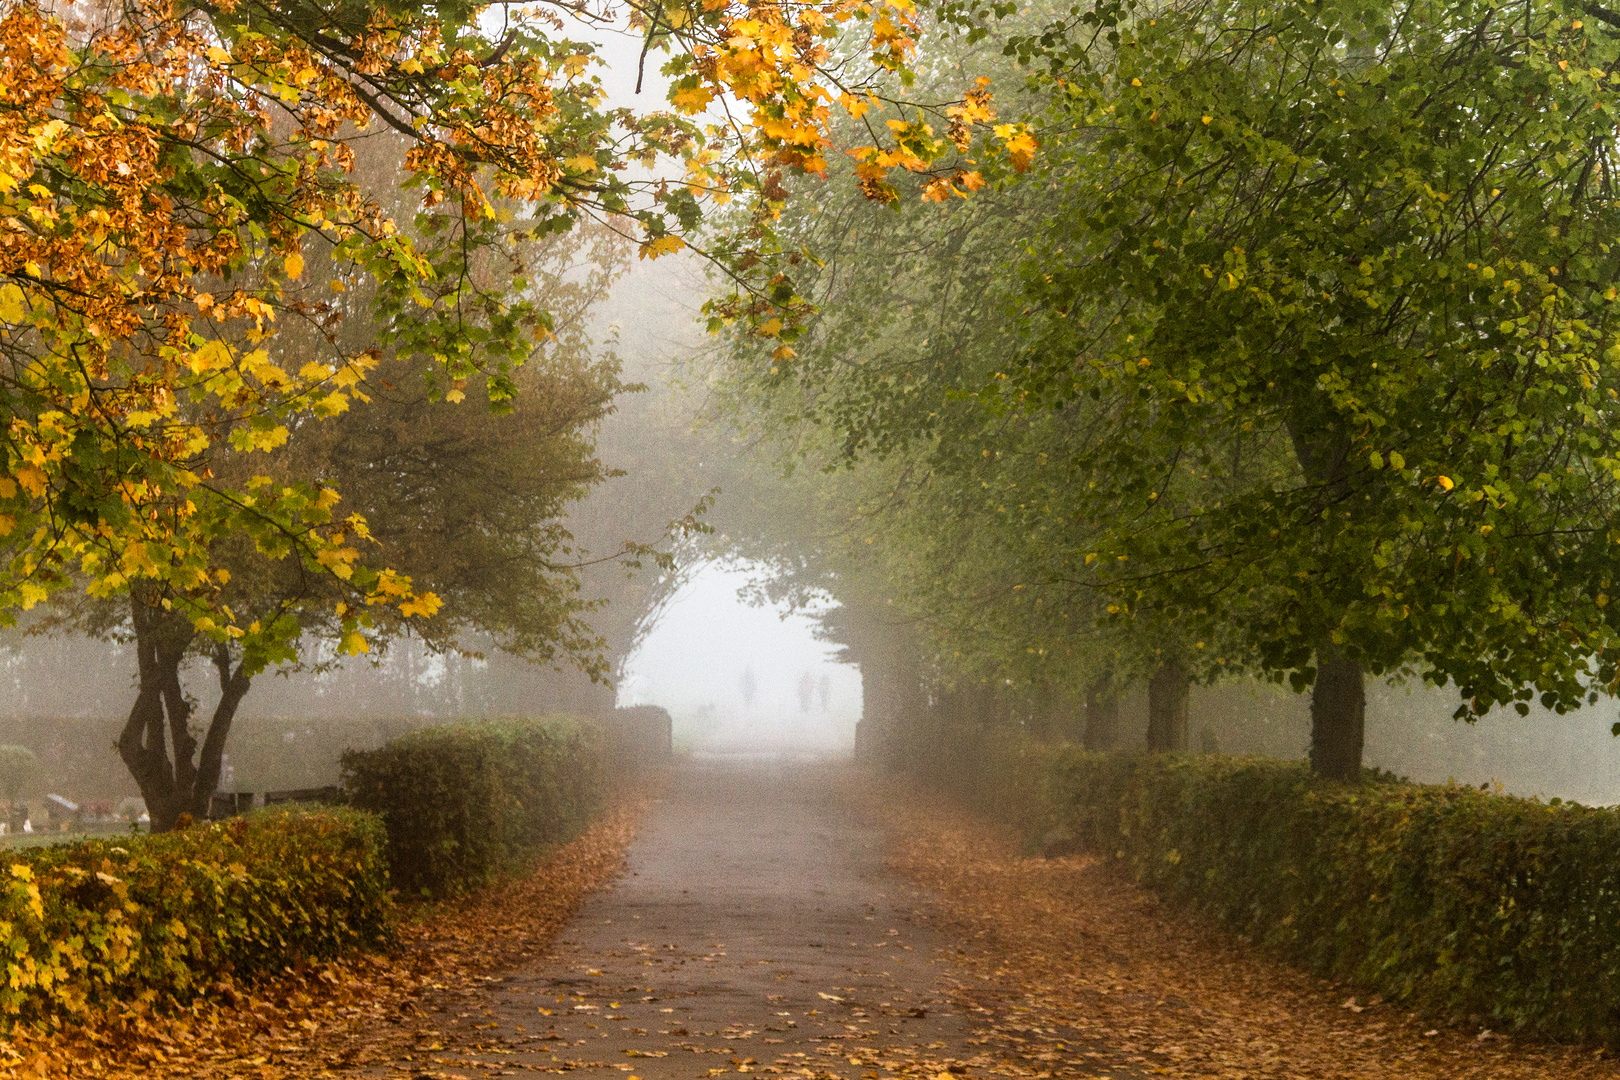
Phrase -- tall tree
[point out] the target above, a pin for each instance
(465, 500)
(1378, 241)
(954, 517)
(166, 170)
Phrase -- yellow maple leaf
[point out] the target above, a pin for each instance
(213, 356)
(664, 245)
(13, 304)
(425, 605)
(692, 99)
(32, 479)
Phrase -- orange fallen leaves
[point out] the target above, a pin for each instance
(1081, 972)
(324, 1017)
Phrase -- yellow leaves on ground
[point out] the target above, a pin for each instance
(1088, 956)
(334, 1016)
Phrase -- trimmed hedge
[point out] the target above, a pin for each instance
(159, 918)
(1464, 905)
(466, 802)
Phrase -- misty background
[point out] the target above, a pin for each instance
(737, 675)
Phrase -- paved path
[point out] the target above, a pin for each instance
(756, 931)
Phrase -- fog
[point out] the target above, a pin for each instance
(1410, 732)
(742, 679)
(737, 678)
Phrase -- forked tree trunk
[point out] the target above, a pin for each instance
(177, 777)
(1338, 716)
(1167, 709)
(1102, 716)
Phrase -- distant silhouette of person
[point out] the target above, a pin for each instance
(749, 687)
(826, 692)
(807, 691)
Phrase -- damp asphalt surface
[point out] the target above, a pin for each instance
(756, 930)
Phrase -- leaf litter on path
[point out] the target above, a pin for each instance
(1077, 971)
(326, 1019)
(1060, 967)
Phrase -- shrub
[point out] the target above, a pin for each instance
(465, 802)
(18, 766)
(1462, 904)
(159, 918)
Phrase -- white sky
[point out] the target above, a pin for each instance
(695, 662)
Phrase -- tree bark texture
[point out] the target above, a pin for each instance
(176, 775)
(1339, 699)
(1338, 716)
(1102, 716)
(1168, 690)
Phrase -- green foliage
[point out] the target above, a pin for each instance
(18, 767)
(161, 917)
(1452, 900)
(1297, 336)
(1336, 284)
(471, 800)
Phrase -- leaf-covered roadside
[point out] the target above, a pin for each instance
(1087, 975)
(325, 1017)
(161, 919)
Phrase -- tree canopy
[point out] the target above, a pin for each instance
(169, 171)
(1300, 344)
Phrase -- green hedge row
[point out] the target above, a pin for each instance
(465, 802)
(159, 918)
(1468, 906)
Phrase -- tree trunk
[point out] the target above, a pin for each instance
(233, 687)
(157, 744)
(1102, 715)
(1167, 709)
(1339, 699)
(1338, 716)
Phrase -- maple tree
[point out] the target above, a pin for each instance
(171, 174)
(463, 500)
(158, 155)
